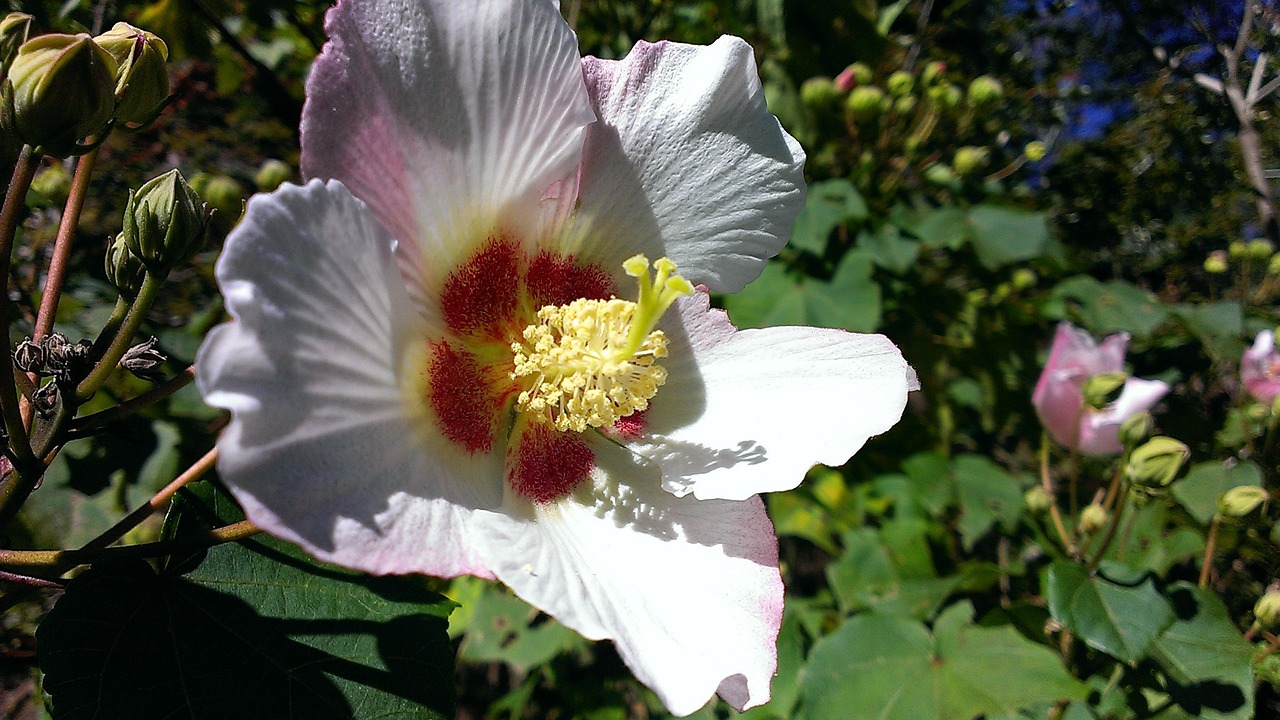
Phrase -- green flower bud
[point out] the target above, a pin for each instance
(1273, 266)
(1216, 263)
(142, 76)
(14, 29)
(1238, 250)
(945, 96)
(1092, 518)
(62, 90)
(941, 174)
(272, 175)
(904, 105)
(1102, 389)
(1037, 500)
(1260, 249)
(819, 93)
(932, 72)
(853, 76)
(1023, 279)
(866, 103)
(224, 194)
(124, 270)
(985, 90)
(1240, 501)
(1034, 151)
(1266, 612)
(900, 83)
(1155, 463)
(1135, 429)
(969, 159)
(165, 222)
(52, 184)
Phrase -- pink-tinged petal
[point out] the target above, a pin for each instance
(745, 412)
(1100, 429)
(687, 162)
(324, 447)
(447, 117)
(1260, 368)
(688, 590)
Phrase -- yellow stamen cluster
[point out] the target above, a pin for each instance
(592, 362)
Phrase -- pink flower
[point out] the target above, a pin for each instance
(450, 356)
(1060, 404)
(1260, 368)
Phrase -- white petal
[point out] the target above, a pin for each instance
(750, 411)
(444, 115)
(321, 449)
(688, 590)
(687, 162)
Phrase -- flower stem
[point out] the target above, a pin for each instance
(157, 501)
(120, 343)
(80, 426)
(1067, 543)
(60, 561)
(62, 246)
(1210, 544)
(19, 444)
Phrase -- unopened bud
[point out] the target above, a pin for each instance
(1216, 262)
(1034, 151)
(272, 175)
(942, 174)
(969, 159)
(1102, 389)
(63, 90)
(52, 185)
(866, 102)
(124, 269)
(904, 105)
(165, 222)
(1155, 463)
(142, 76)
(14, 29)
(1266, 612)
(143, 360)
(945, 96)
(985, 90)
(1037, 500)
(1273, 266)
(1240, 501)
(29, 357)
(1023, 279)
(819, 93)
(1260, 249)
(900, 83)
(853, 76)
(1092, 518)
(932, 72)
(223, 193)
(1238, 250)
(1135, 429)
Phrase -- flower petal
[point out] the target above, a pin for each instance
(688, 590)
(322, 448)
(687, 162)
(1100, 430)
(440, 114)
(745, 412)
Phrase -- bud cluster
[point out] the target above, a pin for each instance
(61, 90)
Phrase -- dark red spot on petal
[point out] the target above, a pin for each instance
(629, 427)
(545, 464)
(464, 402)
(559, 280)
(481, 295)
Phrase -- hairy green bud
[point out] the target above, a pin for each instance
(1238, 250)
(853, 76)
(1240, 501)
(1034, 151)
(900, 83)
(904, 105)
(165, 222)
(1266, 612)
(970, 159)
(941, 174)
(932, 72)
(1156, 463)
(819, 93)
(1102, 389)
(124, 269)
(1135, 429)
(61, 89)
(1037, 500)
(1216, 262)
(866, 103)
(945, 96)
(142, 75)
(1092, 518)
(1023, 279)
(985, 90)
(272, 175)
(1260, 249)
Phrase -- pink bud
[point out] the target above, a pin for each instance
(1059, 400)
(1260, 368)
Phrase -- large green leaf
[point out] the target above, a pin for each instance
(1206, 482)
(256, 631)
(889, 668)
(829, 204)
(988, 494)
(1114, 306)
(497, 626)
(850, 300)
(1121, 617)
(1205, 657)
(1005, 235)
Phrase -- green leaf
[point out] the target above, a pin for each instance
(1121, 618)
(890, 668)
(850, 301)
(500, 627)
(254, 632)
(987, 494)
(830, 203)
(1206, 482)
(1005, 235)
(890, 249)
(890, 571)
(1218, 326)
(1114, 306)
(1205, 657)
(943, 228)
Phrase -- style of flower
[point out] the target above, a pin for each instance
(451, 354)
(1059, 398)
(1260, 368)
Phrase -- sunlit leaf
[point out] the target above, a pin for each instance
(1121, 618)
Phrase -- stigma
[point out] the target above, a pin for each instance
(590, 363)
